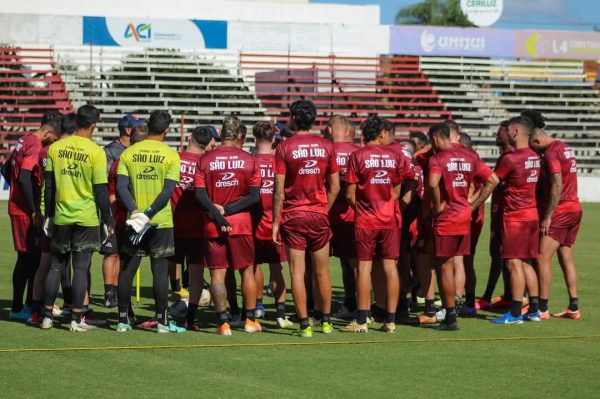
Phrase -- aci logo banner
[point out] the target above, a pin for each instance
(139, 32)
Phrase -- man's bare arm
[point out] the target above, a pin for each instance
(333, 181)
(556, 187)
(278, 192)
(485, 191)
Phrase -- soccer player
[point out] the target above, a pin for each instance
(188, 219)
(25, 178)
(75, 187)
(374, 179)
(420, 140)
(227, 186)
(265, 250)
(561, 215)
(146, 177)
(520, 170)
(306, 185)
(341, 215)
(497, 265)
(451, 170)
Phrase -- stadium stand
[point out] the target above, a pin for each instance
(390, 86)
(196, 87)
(30, 84)
(481, 92)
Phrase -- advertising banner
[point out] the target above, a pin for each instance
(465, 42)
(158, 33)
(557, 44)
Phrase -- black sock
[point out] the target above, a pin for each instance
(534, 304)
(326, 317)
(450, 315)
(109, 289)
(390, 317)
(36, 306)
(573, 304)
(76, 316)
(123, 314)
(175, 285)
(470, 300)
(430, 307)
(190, 316)
(403, 308)
(258, 302)
(543, 305)
(48, 313)
(318, 315)
(304, 323)
(130, 311)
(222, 317)
(250, 314)
(161, 316)
(515, 308)
(361, 317)
(67, 296)
(280, 310)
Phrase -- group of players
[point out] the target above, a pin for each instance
(398, 215)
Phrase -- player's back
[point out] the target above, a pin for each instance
(520, 171)
(341, 212)
(560, 157)
(25, 156)
(186, 210)
(263, 212)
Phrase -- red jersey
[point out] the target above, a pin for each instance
(498, 199)
(305, 160)
(341, 212)
(188, 215)
(376, 169)
(520, 171)
(121, 211)
(227, 173)
(264, 210)
(422, 159)
(560, 158)
(419, 176)
(27, 155)
(458, 167)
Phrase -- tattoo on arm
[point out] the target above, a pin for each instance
(555, 193)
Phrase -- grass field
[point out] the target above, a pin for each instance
(557, 358)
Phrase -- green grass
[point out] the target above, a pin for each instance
(415, 361)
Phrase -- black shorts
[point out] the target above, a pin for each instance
(157, 243)
(73, 238)
(114, 245)
(188, 248)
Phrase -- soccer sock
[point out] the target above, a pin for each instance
(57, 263)
(361, 317)
(190, 316)
(161, 316)
(515, 308)
(234, 307)
(48, 313)
(326, 317)
(304, 323)
(36, 306)
(222, 317)
(76, 316)
(430, 307)
(318, 315)
(19, 280)
(450, 315)
(81, 264)
(534, 304)
(470, 300)
(175, 285)
(160, 286)
(258, 302)
(250, 314)
(123, 314)
(109, 289)
(403, 307)
(281, 310)
(573, 304)
(543, 304)
(67, 295)
(390, 317)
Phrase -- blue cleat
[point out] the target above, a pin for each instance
(533, 316)
(259, 313)
(508, 318)
(24, 314)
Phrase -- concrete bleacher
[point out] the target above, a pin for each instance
(30, 84)
(481, 92)
(198, 88)
(392, 87)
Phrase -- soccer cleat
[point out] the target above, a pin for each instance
(34, 318)
(344, 313)
(314, 322)
(252, 326)
(193, 327)
(149, 324)
(124, 327)
(82, 326)
(224, 329)
(110, 301)
(424, 319)
(482, 304)
(21, 315)
(508, 318)
(259, 313)
(440, 315)
(389, 328)
(327, 328)
(47, 323)
(467, 311)
(235, 320)
(500, 303)
(172, 327)
(181, 294)
(354, 327)
(284, 322)
(448, 326)
(568, 314)
(303, 332)
(544, 315)
(532, 316)
(93, 321)
(65, 310)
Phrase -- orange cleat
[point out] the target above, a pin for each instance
(544, 315)
(424, 319)
(252, 326)
(568, 314)
(224, 329)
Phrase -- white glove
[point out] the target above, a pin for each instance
(137, 221)
(48, 226)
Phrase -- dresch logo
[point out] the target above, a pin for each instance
(227, 180)
(140, 33)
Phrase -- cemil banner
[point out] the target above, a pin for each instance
(158, 33)
(466, 42)
(557, 44)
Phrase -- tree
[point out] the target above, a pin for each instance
(433, 12)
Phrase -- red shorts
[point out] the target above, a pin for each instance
(520, 239)
(266, 251)
(448, 246)
(188, 248)
(564, 227)
(230, 252)
(25, 235)
(377, 243)
(343, 236)
(476, 227)
(302, 230)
